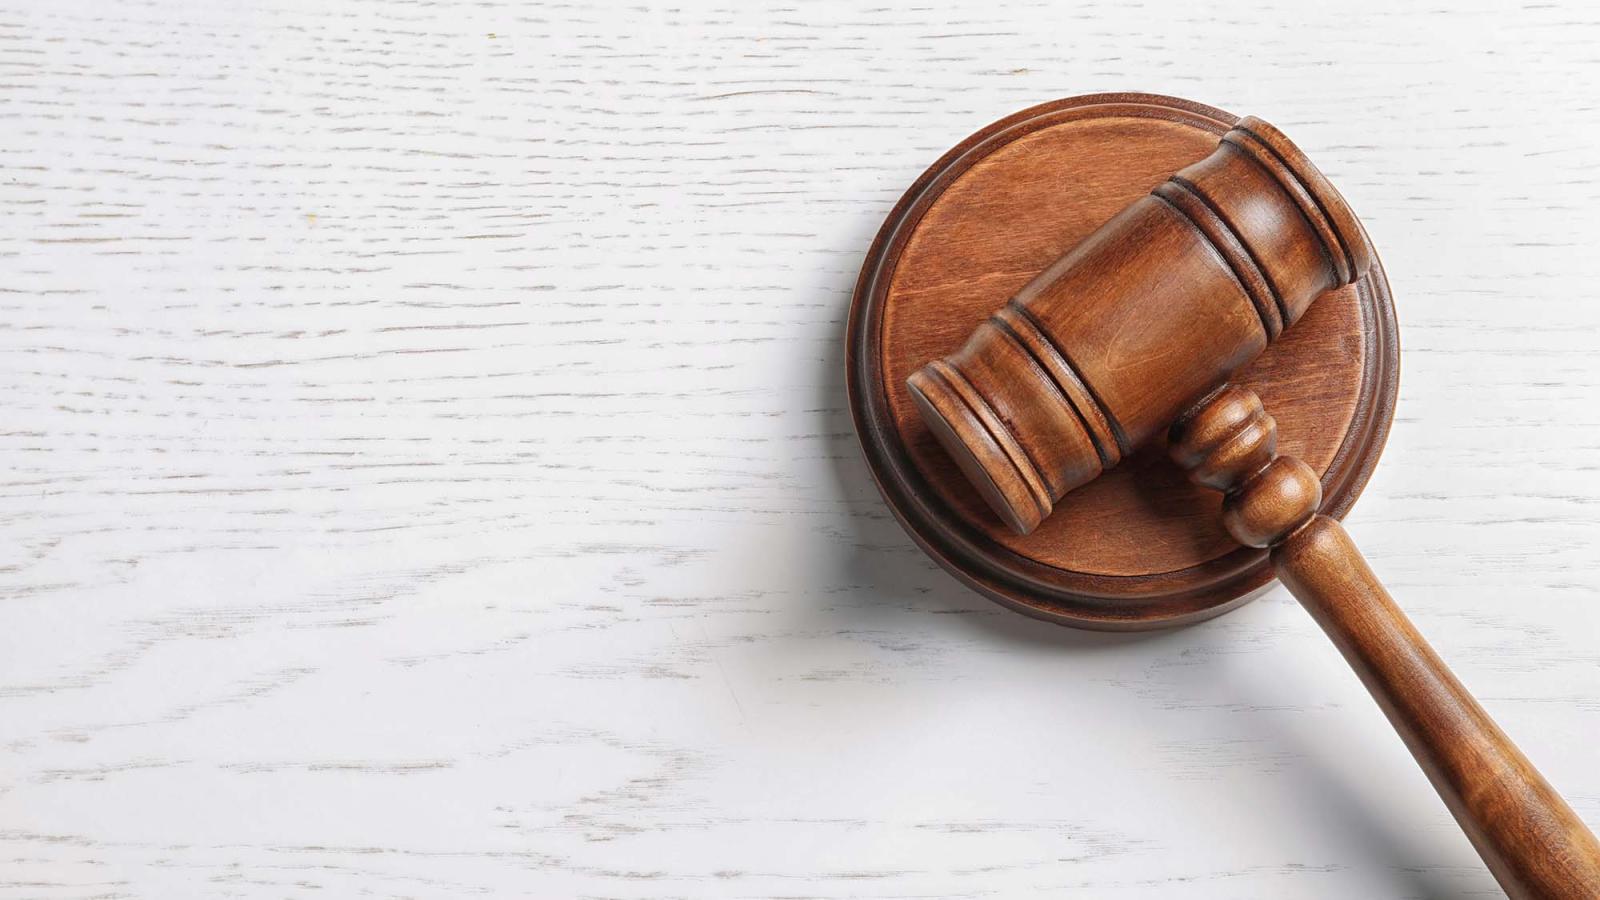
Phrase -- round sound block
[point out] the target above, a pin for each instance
(1139, 547)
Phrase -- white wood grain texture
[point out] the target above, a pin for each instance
(427, 471)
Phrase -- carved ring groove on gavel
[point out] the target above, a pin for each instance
(1134, 333)
(1139, 321)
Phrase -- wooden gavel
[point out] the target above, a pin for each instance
(1136, 331)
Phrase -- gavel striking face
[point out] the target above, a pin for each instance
(1109, 345)
(1137, 330)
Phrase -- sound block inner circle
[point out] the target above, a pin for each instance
(1139, 547)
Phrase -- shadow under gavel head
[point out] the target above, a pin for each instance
(1140, 321)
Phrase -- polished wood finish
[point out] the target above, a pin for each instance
(1139, 320)
(1134, 332)
(1532, 841)
(1139, 546)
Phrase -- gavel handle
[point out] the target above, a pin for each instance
(1532, 841)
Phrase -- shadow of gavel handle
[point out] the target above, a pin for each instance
(1141, 326)
(1533, 842)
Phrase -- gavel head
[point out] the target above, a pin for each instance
(1147, 316)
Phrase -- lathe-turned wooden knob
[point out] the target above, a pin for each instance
(1230, 444)
(1153, 311)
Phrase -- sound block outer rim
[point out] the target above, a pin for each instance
(1099, 602)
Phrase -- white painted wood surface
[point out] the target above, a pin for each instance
(427, 470)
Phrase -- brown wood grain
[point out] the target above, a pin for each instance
(977, 227)
(1135, 331)
(1536, 846)
(1101, 350)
